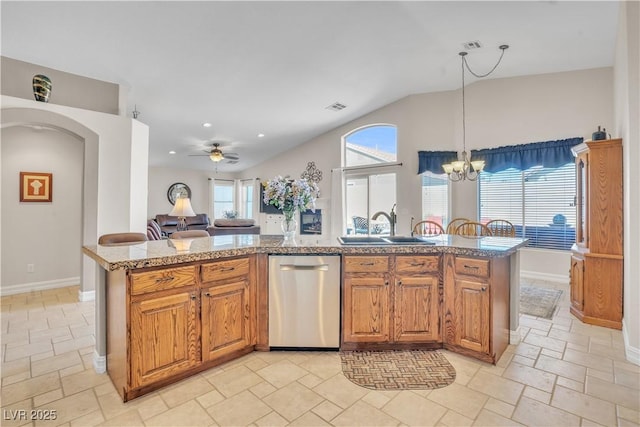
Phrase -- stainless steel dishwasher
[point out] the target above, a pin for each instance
(304, 301)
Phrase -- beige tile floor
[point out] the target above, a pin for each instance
(563, 373)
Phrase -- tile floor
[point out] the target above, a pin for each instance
(563, 373)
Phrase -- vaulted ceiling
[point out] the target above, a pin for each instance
(272, 68)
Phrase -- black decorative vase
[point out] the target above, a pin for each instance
(41, 87)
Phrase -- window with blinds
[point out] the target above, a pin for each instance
(435, 198)
(538, 201)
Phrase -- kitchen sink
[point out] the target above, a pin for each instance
(362, 240)
(407, 240)
(387, 240)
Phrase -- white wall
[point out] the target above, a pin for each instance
(114, 194)
(499, 112)
(627, 126)
(28, 226)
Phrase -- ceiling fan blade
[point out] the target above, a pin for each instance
(231, 156)
(198, 155)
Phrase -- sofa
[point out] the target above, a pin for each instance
(168, 223)
(224, 227)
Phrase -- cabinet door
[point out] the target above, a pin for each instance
(226, 318)
(470, 310)
(366, 309)
(416, 311)
(163, 337)
(577, 283)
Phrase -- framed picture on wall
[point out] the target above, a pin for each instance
(311, 222)
(36, 187)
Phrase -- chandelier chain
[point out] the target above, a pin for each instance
(480, 76)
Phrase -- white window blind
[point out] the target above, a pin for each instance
(435, 198)
(223, 200)
(538, 201)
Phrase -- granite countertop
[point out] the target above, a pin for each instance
(155, 253)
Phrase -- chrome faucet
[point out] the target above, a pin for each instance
(391, 217)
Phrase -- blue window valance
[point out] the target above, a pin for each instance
(432, 161)
(549, 154)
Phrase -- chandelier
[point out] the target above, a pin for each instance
(464, 168)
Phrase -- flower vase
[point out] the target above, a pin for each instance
(289, 227)
(41, 87)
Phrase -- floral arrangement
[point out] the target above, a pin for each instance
(290, 195)
(230, 214)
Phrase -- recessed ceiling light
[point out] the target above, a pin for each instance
(206, 125)
(172, 152)
(261, 135)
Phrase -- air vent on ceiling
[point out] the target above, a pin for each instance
(336, 106)
(472, 45)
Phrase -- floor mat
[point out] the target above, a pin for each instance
(397, 369)
(539, 302)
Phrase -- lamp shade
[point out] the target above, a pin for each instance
(182, 208)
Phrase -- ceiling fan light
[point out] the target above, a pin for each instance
(216, 156)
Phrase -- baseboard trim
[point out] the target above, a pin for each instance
(23, 288)
(547, 277)
(632, 353)
(99, 363)
(86, 296)
(515, 337)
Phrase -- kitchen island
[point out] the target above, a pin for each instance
(168, 309)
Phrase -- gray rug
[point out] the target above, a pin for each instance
(539, 302)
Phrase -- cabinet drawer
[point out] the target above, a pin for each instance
(472, 266)
(221, 270)
(158, 280)
(417, 264)
(366, 264)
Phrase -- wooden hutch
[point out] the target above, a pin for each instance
(597, 255)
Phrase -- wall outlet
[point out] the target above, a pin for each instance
(31, 268)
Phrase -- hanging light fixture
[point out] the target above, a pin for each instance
(464, 168)
(216, 154)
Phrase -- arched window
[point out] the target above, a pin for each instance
(371, 145)
(369, 187)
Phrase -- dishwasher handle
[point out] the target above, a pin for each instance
(291, 267)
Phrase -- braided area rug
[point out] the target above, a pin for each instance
(397, 369)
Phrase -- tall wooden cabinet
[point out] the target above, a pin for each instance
(597, 255)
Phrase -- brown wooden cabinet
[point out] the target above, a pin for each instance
(597, 255)
(228, 308)
(164, 324)
(163, 337)
(476, 306)
(390, 299)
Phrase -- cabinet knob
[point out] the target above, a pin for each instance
(193, 297)
(483, 289)
(399, 282)
(386, 283)
(207, 294)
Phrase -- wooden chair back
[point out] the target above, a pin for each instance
(454, 223)
(502, 228)
(473, 228)
(428, 228)
(115, 239)
(189, 234)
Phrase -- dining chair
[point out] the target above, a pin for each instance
(189, 234)
(427, 228)
(473, 228)
(127, 238)
(454, 223)
(502, 228)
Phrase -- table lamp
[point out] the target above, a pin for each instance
(182, 209)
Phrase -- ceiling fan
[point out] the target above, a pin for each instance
(216, 155)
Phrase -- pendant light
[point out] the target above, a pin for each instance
(464, 168)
